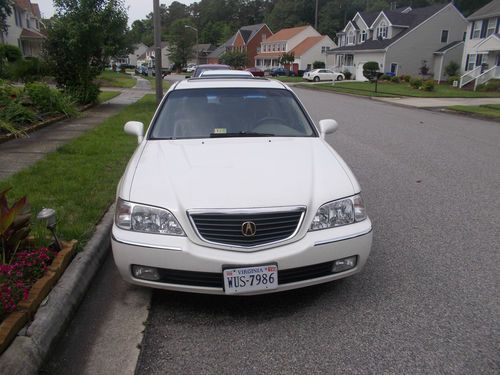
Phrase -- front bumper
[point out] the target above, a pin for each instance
(179, 253)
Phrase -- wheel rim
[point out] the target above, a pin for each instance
(316, 79)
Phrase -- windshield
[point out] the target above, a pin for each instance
(244, 112)
(202, 69)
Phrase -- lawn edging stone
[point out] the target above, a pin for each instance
(30, 349)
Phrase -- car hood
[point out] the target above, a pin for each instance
(239, 173)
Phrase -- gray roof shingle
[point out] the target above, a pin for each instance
(489, 10)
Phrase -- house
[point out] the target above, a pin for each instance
(200, 53)
(131, 58)
(304, 42)
(246, 39)
(149, 55)
(24, 28)
(401, 40)
(481, 55)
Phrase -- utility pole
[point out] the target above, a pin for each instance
(197, 46)
(157, 32)
(316, 16)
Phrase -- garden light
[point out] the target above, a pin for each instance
(48, 215)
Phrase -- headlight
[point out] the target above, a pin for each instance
(338, 213)
(141, 218)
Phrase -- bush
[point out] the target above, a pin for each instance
(49, 101)
(416, 83)
(16, 113)
(489, 86)
(384, 77)
(318, 65)
(395, 79)
(452, 69)
(85, 93)
(347, 74)
(405, 78)
(428, 85)
(28, 70)
(7, 94)
(10, 53)
(371, 70)
(451, 79)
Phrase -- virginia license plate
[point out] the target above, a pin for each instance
(250, 279)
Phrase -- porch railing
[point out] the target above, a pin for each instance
(487, 75)
(470, 76)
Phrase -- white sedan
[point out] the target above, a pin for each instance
(234, 190)
(317, 75)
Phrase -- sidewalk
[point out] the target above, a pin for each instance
(21, 153)
(437, 102)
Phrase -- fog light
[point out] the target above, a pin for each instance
(145, 273)
(344, 264)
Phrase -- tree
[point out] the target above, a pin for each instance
(318, 65)
(5, 11)
(370, 71)
(181, 41)
(82, 36)
(287, 58)
(234, 59)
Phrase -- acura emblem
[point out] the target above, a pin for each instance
(248, 229)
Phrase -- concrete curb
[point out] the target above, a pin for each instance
(30, 349)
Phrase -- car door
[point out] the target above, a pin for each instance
(329, 75)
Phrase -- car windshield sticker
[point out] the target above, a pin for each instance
(220, 131)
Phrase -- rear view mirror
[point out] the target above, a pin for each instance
(327, 126)
(135, 128)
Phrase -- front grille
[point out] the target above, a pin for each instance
(215, 280)
(226, 228)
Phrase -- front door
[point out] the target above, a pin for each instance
(394, 68)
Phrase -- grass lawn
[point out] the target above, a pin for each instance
(115, 79)
(402, 89)
(152, 81)
(487, 110)
(288, 79)
(79, 179)
(106, 95)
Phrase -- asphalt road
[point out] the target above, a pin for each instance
(427, 301)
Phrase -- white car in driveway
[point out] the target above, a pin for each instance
(317, 75)
(234, 190)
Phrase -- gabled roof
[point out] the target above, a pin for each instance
(353, 23)
(246, 32)
(218, 52)
(35, 9)
(31, 34)
(368, 17)
(411, 19)
(285, 34)
(448, 47)
(306, 45)
(489, 10)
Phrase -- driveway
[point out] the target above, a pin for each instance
(438, 102)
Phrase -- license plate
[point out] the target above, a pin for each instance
(250, 279)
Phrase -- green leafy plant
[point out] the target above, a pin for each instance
(451, 79)
(452, 69)
(395, 79)
(416, 83)
(14, 112)
(287, 58)
(15, 225)
(318, 65)
(370, 70)
(234, 59)
(428, 85)
(347, 74)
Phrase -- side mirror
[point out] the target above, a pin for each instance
(328, 126)
(187, 76)
(135, 128)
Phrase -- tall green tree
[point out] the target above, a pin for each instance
(82, 36)
(5, 11)
(181, 41)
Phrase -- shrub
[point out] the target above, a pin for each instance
(49, 101)
(385, 77)
(452, 69)
(65, 104)
(428, 85)
(405, 78)
(416, 83)
(395, 79)
(347, 74)
(14, 112)
(370, 70)
(489, 86)
(318, 65)
(7, 94)
(85, 93)
(27, 70)
(10, 53)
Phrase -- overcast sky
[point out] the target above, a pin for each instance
(137, 9)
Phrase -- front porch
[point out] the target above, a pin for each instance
(486, 65)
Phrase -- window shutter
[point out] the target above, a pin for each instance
(478, 59)
(498, 25)
(472, 29)
(466, 62)
(484, 26)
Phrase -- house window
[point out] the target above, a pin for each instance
(340, 60)
(258, 62)
(324, 49)
(382, 30)
(394, 68)
(350, 37)
(471, 61)
(363, 36)
(492, 24)
(274, 47)
(17, 16)
(476, 31)
(283, 47)
(349, 60)
(444, 36)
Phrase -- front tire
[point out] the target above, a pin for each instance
(340, 78)
(316, 79)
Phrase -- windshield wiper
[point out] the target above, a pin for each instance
(240, 134)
